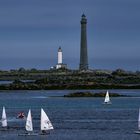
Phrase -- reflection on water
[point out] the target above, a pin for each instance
(73, 118)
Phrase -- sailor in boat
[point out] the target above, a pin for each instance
(21, 115)
(44, 132)
(46, 124)
(29, 126)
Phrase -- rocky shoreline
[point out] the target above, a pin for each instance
(69, 79)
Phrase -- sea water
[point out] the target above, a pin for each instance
(72, 118)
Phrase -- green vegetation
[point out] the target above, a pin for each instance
(89, 94)
(69, 79)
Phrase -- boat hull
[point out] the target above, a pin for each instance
(137, 132)
(107, 103)
(46, 133)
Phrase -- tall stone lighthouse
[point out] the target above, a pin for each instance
(83, 50)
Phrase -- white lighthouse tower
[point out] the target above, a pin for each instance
(60, 59)
(60, 55)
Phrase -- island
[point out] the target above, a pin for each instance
(62, 79)
(89, 94)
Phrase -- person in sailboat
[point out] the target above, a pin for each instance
(45, 123)
(28, 126)
(44, 132)
(45, 128)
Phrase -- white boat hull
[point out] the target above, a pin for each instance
(137, 132)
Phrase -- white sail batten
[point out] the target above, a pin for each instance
(45, 122)
(107, 99)
(29, 124)
(4, 118)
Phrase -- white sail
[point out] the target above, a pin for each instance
(139, 120)
(29, 124)
(107, 99)
(45, 122)
(4, 119)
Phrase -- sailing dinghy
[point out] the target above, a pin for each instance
(107, 98)
(4, 119)
(29, 126)
(138, 131)
(45, 123)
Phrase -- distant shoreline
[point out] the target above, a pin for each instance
(65, 87)
(64, 79)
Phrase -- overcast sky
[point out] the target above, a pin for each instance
(32, 30)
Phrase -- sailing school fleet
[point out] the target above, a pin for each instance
(45, 123)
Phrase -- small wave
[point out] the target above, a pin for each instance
(40, 97)
(15, 119)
